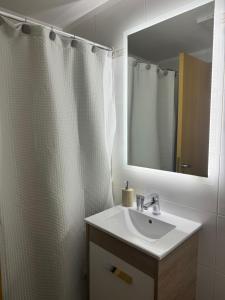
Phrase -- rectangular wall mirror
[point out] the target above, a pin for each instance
(169, 89)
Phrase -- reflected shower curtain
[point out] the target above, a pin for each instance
(151, 111)
(166, 116)
(144, 143)
(57, 121)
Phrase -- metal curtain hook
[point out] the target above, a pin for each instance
(94, 49)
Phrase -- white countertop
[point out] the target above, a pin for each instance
(116, 222)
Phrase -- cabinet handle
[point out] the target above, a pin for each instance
(185, 166)
(121, 275)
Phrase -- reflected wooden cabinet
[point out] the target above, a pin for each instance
(193, 115)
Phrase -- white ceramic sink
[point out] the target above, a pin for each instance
(154, 235)
(147, 226)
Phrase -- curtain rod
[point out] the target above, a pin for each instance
(63, 33)
(143, 60)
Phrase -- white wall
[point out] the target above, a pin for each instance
(189, 196)
(173, 62)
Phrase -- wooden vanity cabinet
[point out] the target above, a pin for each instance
(172, 278)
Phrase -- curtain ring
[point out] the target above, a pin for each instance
(74, 42)
(148, 67)
(1, 21)
(94, 49)
(25, 28)
(52, 35)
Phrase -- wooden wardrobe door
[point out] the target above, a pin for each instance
(193, 115)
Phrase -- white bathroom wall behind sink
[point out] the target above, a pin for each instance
(196, 198)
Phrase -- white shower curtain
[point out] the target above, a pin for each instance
(57, 121)
(151, 121)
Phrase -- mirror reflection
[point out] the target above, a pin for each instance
(169, 87)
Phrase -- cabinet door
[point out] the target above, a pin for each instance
(106, 284)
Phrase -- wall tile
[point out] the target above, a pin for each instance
(207, 235)
(205, 282)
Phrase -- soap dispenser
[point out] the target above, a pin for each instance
(127, 196)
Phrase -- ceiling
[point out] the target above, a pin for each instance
(189, 32)
(60, 13)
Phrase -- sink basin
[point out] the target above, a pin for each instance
(148, 226)
(154, 235)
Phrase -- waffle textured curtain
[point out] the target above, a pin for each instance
(57, 121)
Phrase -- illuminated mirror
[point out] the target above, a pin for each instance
(169, 89)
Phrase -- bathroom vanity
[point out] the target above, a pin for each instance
(135, 255)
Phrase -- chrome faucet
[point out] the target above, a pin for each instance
(154, 202)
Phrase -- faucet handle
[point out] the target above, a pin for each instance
(155, 197)
(156, 205)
